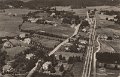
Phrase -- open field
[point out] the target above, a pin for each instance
(46, 42)
(9, 24)
(58, 30)
(11, 52)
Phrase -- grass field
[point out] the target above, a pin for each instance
(9, 24)
(62, 30)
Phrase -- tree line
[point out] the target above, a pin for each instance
(35, 4)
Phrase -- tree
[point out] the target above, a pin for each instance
(70, 60)
(3, 55)
(60, 57)
(52, 70)
(61, 69)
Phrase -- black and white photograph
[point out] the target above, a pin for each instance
(59, 38)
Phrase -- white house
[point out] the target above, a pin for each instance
(6, 68)
(83, 41)
(46, 65)
(53, 14)
(23, 35)
(28, 56)
(27, 40)
(7, 44)
(104, 37)
(84, 30)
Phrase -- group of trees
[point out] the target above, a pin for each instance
(36, 4)
(107, 57)
(3, 57)
(22, 64)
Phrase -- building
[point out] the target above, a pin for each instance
(27, 41)
(7, 69)
(46, 65)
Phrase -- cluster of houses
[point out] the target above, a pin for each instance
(104, 16)
(109, 37)
(49, 16)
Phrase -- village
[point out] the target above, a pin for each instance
(35, 41)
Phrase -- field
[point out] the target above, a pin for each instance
(107, 27)
(9, 24)
(11, 52)
(46, 42)
(62, 30)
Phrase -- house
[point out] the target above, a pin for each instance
(7, 68)
(23, 35)
(46, 65)
(27, 41)
(53, 14)
(28, 56)
(7, 44)
(33, 20)
(84, 30)
(83, 41)
(104, 37)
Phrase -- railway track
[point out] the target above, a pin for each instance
(89, 56)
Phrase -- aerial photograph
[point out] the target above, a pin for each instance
(59, 38)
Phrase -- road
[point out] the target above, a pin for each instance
(75, 32)
(94, 59)
(89, 56)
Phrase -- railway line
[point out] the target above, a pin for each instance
(89, 56)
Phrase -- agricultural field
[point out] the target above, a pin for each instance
(9, 24)
(62, 30)
(49, 43)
